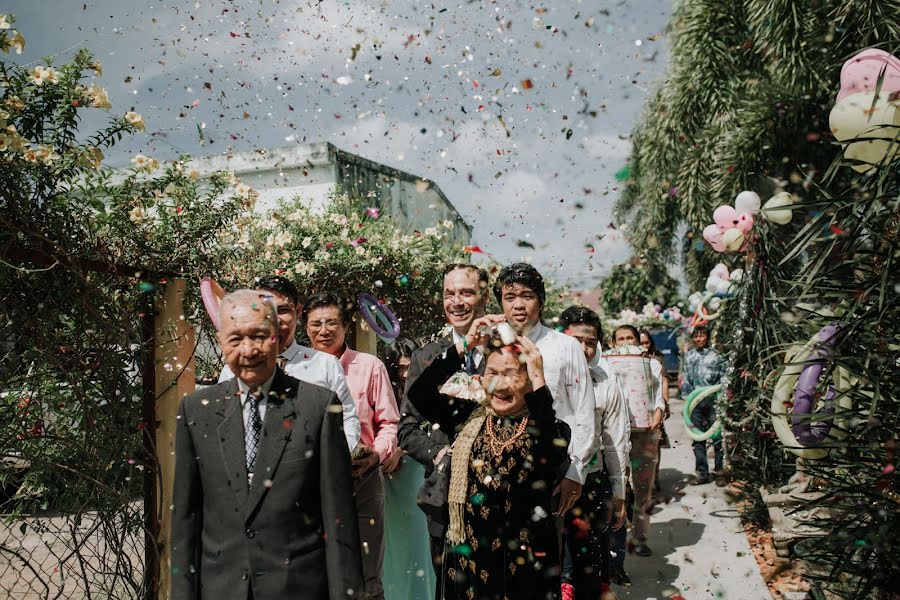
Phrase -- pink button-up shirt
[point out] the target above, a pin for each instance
(376, 405)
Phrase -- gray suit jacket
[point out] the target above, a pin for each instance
(293, 532)
(417, 436)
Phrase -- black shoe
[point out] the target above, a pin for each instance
(620, 577)
(700, 480)
(720, 481)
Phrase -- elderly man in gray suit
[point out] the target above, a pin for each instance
(263, 498)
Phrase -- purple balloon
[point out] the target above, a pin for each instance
(807, 432)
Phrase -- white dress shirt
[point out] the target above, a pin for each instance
(569, 381)
(263, 391)
(321, 369)
(613, 424)
(477, 351)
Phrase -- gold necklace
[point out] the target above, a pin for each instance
(498, 445)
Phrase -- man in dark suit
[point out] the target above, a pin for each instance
(263, 497)
(465, 296)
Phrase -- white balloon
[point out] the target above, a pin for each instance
(867, 116)
(733, 239)
(737, 276)
(778, 208)
(747, 202)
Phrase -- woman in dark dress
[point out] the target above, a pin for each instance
(509, 453)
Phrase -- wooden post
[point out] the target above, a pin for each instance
(366, 340)
(174, 365)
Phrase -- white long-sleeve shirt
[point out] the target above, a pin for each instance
(322, 369)
(569, 381)
(612, 423)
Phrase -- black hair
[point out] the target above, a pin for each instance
(279, 285)
(700, 329)
(520, 274)
(323, 299)
(652, 350)
(632, 328)
(483, 278)
(401, 348)
(581, 315)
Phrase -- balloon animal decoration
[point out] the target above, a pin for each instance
(868, 107)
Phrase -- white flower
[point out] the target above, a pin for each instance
(361, 250)
(136, 214)
(4, 22)
(231, 178)
(17, 42)
(14, 103)
(144, 163)
(280, 239)
(304, 268)
(340, 220)
(245, 191)
(98, 96)
(41, 154)
(447, 224)
(431, 232)
(41, 75)
(193, 174)
(135, 120)
(307, 241)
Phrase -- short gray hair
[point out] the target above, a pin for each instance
(253, 298)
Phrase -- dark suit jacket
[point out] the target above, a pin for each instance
(293, 532)
(417, 437)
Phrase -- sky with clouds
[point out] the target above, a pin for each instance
(520, 112)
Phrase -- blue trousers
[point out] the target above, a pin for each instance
(702, 418)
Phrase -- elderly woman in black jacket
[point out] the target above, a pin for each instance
(509, 453)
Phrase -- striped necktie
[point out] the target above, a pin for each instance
(251, 433)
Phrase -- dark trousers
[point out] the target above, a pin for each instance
(585, 541)
(618, 537)
(437, 561)
(702, 418)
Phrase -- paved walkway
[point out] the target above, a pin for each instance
(699, 548)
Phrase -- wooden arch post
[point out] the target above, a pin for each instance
(175, 378)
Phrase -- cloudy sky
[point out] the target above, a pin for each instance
(519, 111)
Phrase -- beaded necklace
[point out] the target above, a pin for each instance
(498, 445)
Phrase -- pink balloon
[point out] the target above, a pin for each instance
(725, 217)
(212, 294)
(713, 237)
(860, 73)
(745, 222)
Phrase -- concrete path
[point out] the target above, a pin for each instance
(699, 547)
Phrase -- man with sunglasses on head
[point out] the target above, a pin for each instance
(301, 362)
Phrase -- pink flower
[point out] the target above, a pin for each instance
(358, 241)
(373, 212)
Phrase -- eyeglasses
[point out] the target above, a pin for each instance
(330, 325)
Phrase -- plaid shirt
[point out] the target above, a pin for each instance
(701, 367)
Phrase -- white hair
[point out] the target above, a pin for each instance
(256, 299)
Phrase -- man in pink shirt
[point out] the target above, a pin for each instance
(327, 321)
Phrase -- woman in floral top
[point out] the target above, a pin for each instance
(508, 456)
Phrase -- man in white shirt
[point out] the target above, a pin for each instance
(608, 470)
(644, 446)
(519, 290)
(301, 362)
